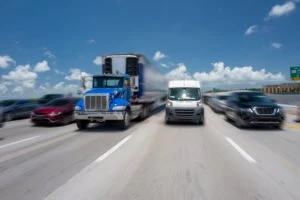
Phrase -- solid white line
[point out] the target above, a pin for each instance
(240, 150)
(106, 154)
(20, 141)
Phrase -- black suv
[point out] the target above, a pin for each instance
(248, 108)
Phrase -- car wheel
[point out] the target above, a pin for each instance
(82, 124)
(238, 123)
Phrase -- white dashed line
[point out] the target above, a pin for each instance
(106, 154)
(20, 141)
(241, 151)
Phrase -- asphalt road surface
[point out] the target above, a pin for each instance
(150, 160)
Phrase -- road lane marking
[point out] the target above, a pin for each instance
(241, 151)
(20, 141)
(113, 149)
(294, 126)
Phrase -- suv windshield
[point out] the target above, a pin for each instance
(254, 97)
(184, 94)
(108, 82)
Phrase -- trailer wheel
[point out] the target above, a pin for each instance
(125, 123)
(82, 124)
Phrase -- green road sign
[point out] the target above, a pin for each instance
(295, 73)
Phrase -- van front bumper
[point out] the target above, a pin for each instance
(184, 114)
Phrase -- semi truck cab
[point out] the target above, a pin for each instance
(184, 102)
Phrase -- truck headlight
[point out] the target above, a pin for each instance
(77, 108)
(119, 107)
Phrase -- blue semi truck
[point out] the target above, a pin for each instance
(128, 88)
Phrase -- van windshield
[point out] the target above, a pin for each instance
(184, 94)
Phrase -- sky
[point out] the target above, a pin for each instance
(45, 46)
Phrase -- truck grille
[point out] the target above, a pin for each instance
(264, 111)
(184, 112)
(96, 102)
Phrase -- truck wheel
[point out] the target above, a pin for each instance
(126, 120)
(145, 112)
(82, 124)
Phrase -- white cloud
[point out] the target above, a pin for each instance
(158, 56)
(276, 45)
(252, 29)
(3, 89)
(42, 66)
(59, 72)
(6, 61)
(281, 10)
(164, 65)
(75, 74)
(91, 41)
(222, 75)
(98, 60)
(49, 54)
(178, 73)
(21, 78)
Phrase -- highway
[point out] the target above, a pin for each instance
(150, 160)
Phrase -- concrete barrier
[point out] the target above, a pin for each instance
(298, 114)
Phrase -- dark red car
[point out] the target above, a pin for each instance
(57, 111)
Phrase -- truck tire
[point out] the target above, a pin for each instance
(82, 124)
(125, 123)
(145, 112)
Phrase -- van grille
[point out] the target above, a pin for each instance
(184, 112)
(96, 102)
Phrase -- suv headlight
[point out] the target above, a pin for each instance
(247, 110)
(279, 110)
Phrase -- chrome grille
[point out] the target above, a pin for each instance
(96, 102)
(264, 111)
(184, 112)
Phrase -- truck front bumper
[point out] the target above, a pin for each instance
(99, 116)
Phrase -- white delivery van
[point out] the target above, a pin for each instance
(184, 102)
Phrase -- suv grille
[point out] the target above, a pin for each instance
(96, 102)
(264, 111)
(184, 112)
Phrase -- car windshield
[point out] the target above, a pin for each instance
(108, 82)
(184, 94)
(58, 102)
(7, 103)
(254, 97)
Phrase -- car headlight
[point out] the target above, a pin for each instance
(77, 108)
(54, 114)
(119, 107)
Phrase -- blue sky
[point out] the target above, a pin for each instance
(222, 43)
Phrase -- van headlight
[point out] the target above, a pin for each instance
(169, 104)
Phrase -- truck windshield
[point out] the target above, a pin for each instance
(184, 94)
(108, 82)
